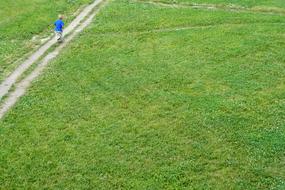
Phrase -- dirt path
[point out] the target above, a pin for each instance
(22, 86)
(232, 8)
(6, 85)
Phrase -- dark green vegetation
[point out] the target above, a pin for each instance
(21, 20)
(143, 101)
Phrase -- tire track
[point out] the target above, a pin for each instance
(231, 8)
(24, 84)
(6, 85)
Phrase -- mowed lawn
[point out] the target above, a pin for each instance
(23, 23)
(153, 97)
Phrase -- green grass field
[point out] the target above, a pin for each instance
(154, 97)
(21, 20)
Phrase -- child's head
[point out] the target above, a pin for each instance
(60, 17)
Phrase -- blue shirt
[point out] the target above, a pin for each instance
(58, 25)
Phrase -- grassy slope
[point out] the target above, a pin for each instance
(21, 20)
(200, 108)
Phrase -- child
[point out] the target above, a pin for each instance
(59, 28)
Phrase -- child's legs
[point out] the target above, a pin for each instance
(58, 35)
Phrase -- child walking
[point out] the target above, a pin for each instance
(59, 24)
